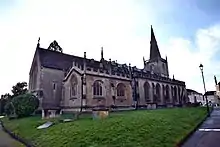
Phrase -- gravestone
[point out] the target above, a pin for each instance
(100, 113)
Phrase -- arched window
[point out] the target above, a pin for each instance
(147, 91)
(175, 94)
(158, 92)
(97, 88)
(73, 90)
(167, 93)
(120, 89)
(73, 86)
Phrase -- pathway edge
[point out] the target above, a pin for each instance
(184, 139)
(16, 137)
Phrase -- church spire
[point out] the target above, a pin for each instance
(154, 50)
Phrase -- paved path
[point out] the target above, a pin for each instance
(7, 141)
(210, 137)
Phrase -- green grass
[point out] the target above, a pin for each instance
(143, 128)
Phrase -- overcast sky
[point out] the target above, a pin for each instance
(187, 31)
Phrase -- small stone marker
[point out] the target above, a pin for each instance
(45, 125)
(100, 113)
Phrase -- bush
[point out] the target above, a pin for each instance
(2, 106)
(9, 109)
(25, 104)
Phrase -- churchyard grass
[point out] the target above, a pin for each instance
(141, 128)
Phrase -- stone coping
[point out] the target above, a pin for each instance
(184, 139)
(16, 137)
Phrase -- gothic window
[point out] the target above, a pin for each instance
(73, 86)
(63, 96)
(73, 89)
(158, 88)
(147, 91)
(97, 88)
(163, 66)
(167, 93)
(175, 94)
(54, 86)
(120, 89)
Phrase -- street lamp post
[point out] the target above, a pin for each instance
(201, 68)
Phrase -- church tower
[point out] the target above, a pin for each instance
(156, 63)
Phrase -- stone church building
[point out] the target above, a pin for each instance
(66, 82)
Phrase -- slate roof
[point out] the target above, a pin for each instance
(190, 90)
(210, 93)
(56, 60)
(61, 61)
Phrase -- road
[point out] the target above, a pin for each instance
(208, 135)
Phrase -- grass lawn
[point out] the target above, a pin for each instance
(143, 128)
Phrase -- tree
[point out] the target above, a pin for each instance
(19, 89)
(25, 104)
(3, 101)
(9, 109)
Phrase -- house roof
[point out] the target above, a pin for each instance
(192, 91)
(210, 93)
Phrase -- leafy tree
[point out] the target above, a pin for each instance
(3, 101)
(2, 106)
(19, 89)
(25, 104)
(9, 109)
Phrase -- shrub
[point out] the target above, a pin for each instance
(25, 104)
(9, 109)
(2, 106)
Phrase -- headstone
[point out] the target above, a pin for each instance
(100, 113)
(45, 125)
(67, 120)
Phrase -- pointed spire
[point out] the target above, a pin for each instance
(38, 43)
(102, 53)
(154, 50)
(166, 58)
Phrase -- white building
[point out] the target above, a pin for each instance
(195, 97)
(212, 97)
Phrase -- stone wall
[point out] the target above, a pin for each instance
(51, 85)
